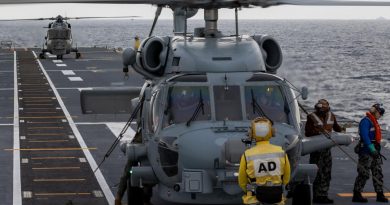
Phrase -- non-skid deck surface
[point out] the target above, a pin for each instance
(54, 169)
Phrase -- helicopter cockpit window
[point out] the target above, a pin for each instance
(268, 99)
(183, 103)
(59, 34)
(227, 103)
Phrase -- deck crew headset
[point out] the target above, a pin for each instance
(261, 129)
(322, 106)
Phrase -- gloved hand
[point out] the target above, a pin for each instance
(373, 152)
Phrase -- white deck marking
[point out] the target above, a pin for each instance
(98, 174)
(68, 72)
(80, 89)
(72, 88)
(6, 124)
(75, 79)
(61, 65)
(17, 189)
(57, 61)
(4, 89)
(116, 129)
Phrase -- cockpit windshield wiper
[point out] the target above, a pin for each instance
(198, 108)
(257, 108)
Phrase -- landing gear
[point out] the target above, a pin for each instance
(42, 56)
(301, 195)
(59, 57)
(78, 55)
(135, 195)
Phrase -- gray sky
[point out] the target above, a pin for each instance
(147, 11)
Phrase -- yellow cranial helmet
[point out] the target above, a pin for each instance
(261, 129)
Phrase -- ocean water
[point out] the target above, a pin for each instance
(346, 62)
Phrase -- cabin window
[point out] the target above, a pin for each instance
(268, 99)
(183, 102)
(59, 34)
(227, 103)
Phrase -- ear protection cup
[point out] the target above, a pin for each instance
(262, 120)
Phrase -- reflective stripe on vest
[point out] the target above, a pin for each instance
(265, 156)
(329, 120)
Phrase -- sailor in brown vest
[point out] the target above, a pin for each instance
(322, 119)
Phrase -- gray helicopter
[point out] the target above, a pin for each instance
(201, 91)
(58, 39)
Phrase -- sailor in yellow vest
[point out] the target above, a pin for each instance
(137, 42)
(264, 168)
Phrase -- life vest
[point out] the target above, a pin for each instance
(376, 126)
(328, 124)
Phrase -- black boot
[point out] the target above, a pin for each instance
(380, 197)
(357, 197)
(322, 200)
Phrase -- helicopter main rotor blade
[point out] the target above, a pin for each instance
(216, 3)
(100, 17)
(33, 19)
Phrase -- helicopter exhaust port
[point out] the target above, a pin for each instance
(272, 53)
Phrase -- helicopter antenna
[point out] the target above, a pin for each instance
(158, 12)
(236, 19)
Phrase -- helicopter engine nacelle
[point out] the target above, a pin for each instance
(272, 53)
(153, 55)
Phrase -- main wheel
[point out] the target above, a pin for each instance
(42, 56)
(59, 57)
(135, 195)
(302, 195)
(78, 55)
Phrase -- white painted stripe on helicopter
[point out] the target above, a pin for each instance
(61, 65)
(68, 72)
(75, 79)
(57, 61)
(17, 188)
(98, 174)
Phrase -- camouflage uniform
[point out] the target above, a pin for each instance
(323, 159)
(367, 163)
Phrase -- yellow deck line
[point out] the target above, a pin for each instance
(52, 149)
(46, 134)
(33, 141)
(39, 97)
(57, 180)
(366, 194)
(40, 112)
(52, 168)
(43, 122)
(49, 158)
(60, 194)
(27, 104)
(34, 128)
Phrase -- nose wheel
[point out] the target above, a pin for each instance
(42, 56)
(301, 195)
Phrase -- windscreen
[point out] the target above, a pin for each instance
(59, 33)
(227, 103)
(183, 103)
(269, 99)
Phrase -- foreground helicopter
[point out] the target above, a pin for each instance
(201, 91)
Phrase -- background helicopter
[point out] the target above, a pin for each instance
(58, 39)
(192, 156)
